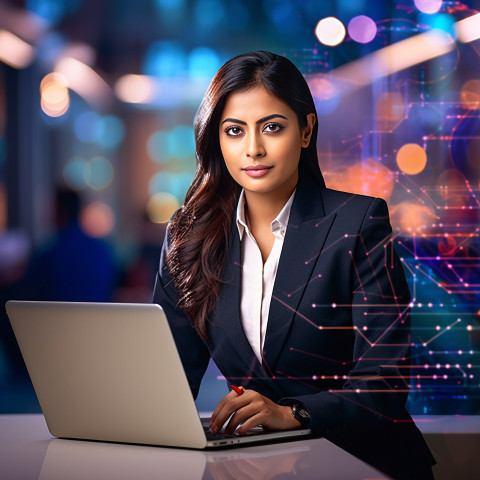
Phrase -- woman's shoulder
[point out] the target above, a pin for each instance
(335, 200)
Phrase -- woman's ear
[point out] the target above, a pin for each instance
(307, 131)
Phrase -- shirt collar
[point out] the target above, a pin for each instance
(279, 223)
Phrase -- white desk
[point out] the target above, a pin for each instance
(28, 452)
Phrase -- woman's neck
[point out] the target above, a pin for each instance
(263, 208)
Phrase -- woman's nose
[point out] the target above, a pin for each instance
(255, 148)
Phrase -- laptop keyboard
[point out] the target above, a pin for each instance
(220, 435)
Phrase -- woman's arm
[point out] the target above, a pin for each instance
(193, 351)
(375, 390)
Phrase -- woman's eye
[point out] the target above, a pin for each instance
(272, 128)
(233, 131)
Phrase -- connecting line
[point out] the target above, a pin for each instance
(441, 333)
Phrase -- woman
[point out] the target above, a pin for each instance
(293, 289)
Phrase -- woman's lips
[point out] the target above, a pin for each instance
(257, 170)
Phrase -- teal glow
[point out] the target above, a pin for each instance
(75, 173)
(203, 62)
(111, 131)
(165, 59)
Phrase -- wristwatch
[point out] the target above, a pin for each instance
(300, 413)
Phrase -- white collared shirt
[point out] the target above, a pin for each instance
(258, 278)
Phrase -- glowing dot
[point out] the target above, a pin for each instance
(469, 365)
(97, 219)
(469, 328)
(334, 305)
(330, 31)
(445, 377)
(161, 206)
(460, 352)
(435, 377)
(428, 6)
(314, 377)
(437, 327)
(419, 305)
(471, 376)
(418, 385)
(357, 390)
(447, 365)
(424, 344)
(362, 29)
(438, 365)
(425, 366)
(430, 305)
(411, 158)
(335, 377)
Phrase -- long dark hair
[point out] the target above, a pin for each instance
(200, 230)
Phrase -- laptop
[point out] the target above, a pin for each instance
(111, 372)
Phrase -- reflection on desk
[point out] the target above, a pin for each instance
(73, 459)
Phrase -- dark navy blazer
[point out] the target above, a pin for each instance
(338, 334)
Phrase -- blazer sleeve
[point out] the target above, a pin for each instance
(191, 348)
(376, 388)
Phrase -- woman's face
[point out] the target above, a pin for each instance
(261, 141)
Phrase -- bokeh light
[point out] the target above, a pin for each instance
(87, 126)
(136, 88)
(330, 31)
(161, 206)
(176, 144)
(412, 217)
(75, 173)
(411, 158)
(368, 177)
(362, 29)
(97, 219)
(203, 62)
(54, 95)
(209, 13)
(390, 109)
(470, 94)
(174, 183)
(324, 94)
(100, 173)
(112, 131)
(428, 6)
(165, 59)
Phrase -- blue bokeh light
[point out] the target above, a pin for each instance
(87, 127)
(174, 183)
(203, 62)
(52, 11)
(209, 13)
(165, 59)
(112, 131)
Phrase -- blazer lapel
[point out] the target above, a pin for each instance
(304, 240)
(226, 318)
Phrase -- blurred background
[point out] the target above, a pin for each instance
(97, 100)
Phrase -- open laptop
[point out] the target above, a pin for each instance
(111, 372)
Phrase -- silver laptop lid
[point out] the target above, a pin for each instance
(107, 372)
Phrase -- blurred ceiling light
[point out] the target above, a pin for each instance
(14, 51)
(396, 57)
(468, 29)
(330, 31)
(136, 88)
(85, 81)
(79, 51)
(54, 95)
(21, 22)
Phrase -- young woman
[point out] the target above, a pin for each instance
(293, 289)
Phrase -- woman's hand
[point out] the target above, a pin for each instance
(251, 409)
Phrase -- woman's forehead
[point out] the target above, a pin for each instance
(254, 103)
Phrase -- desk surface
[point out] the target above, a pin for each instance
(28, 452)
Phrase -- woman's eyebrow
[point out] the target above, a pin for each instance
(261, 120)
